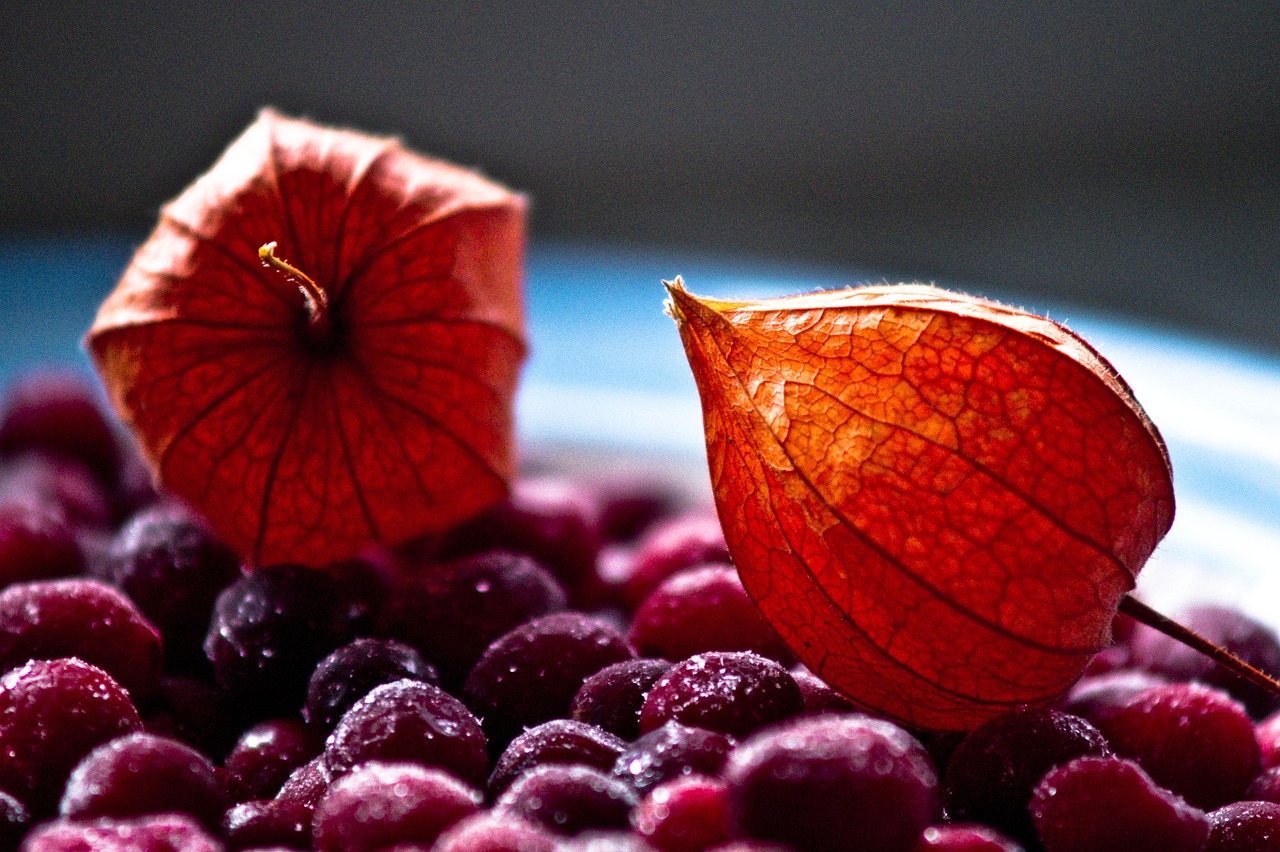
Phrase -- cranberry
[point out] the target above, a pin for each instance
(557, 741)
(1244, 827)
(173, 568)
(1267, 733)
(735, 692)
(490, 831)
(991, 775)
(269, 630)
(962, 837)
(36, 543)
(195, 712)
(349, 673)
(672, 751)
(1109, 804)
(673, 545)
(260, 823)
(85, 619)
(1266, 787)
(817, 781)
(1193, 739)
(58, 411)
(531, 674)
(703, 609)
(688, 814)
(381, 804)
(307, 784)
(52, 713)
(410, 721)
(451, 612)
(818, 697)
(269, 752)
(161, 833)
(569, 799)
(59, 483)
(630, 503)
(1099, 696)
(143, 774)
(612, 697)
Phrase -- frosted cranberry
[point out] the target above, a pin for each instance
(161, 833)
(611, 698)
(1096, 697)
(965, 838)
(143, 774)
(15, 819)
(269, 630)
(410, 721)
(1195, 740)
(307, 784)
(1247, 638)
(531, 674)
(52, 713)
(735, 692)
(670, 752)
(267, 822)
(382, 804)
(817, 781)
(1109, 804)
(85, 619)
(1244, 827)
(703, 609)
(558, 741)
(1267, 733)
(58, 482)
(682, 542)
(195, 712)
(58, 411)
(451, 612)
(993, 772)
(685, 815)
(36, 543)
(552, 520)
(496, 832)
(606, 840)
(1266, 787)
(569, 799)
(171, 566)
(268, 752)
(352, 671)
(818, 697)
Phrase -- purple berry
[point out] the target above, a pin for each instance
(160, 833)
(1267, 732)
(1244, 827)
(569, 799)
(378, 805)
(36, 543)
(352, 671)
(559, 741)
(531, 674)
(53, 713)
(1108, 804)
(488, 831)
(451, 612)
(1195, 740)
(143, 774)
(991, 775)
(307, 784)
(269, 752)
(58, 412)
(410, 721)
(263, 823)
(688, 814)
(671, 752)
(80, 618)
(681, 542)
(612, 697)
(703, 609)
(818, 781)
(735, 692)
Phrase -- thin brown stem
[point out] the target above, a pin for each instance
(1139, 611)
(317, 302)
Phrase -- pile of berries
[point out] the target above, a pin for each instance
(578, 669)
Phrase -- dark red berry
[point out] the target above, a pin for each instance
(451, 612)
(1266, 787)
(703, 609)
(734, 692)
(1244, 827)
(196, 712)
(1267, 734)
(489, 831)
(160, 833)
(36, 543)
(531, 674)
(58, 483)
(81, 618)
(352, 671)
(58, 411)
(630, 503)
(1098, 696)
(267, 823)
(559, 741)
(143, 774)
(965, 837)
(269, 752)
(378, 805)
(670, 752)
(819, 781)
(818, 697)
(681, 542)
(688, 814)
(569, 799)
(15, 819)
(1195, 740)
(1109, 804)
(612, 697)
(53, 713)
(991, 775)
(410, 721)
(307, 784)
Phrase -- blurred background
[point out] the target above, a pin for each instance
(1121, 157)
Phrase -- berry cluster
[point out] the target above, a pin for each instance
(579, 668)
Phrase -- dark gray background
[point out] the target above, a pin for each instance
(1116, 155)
